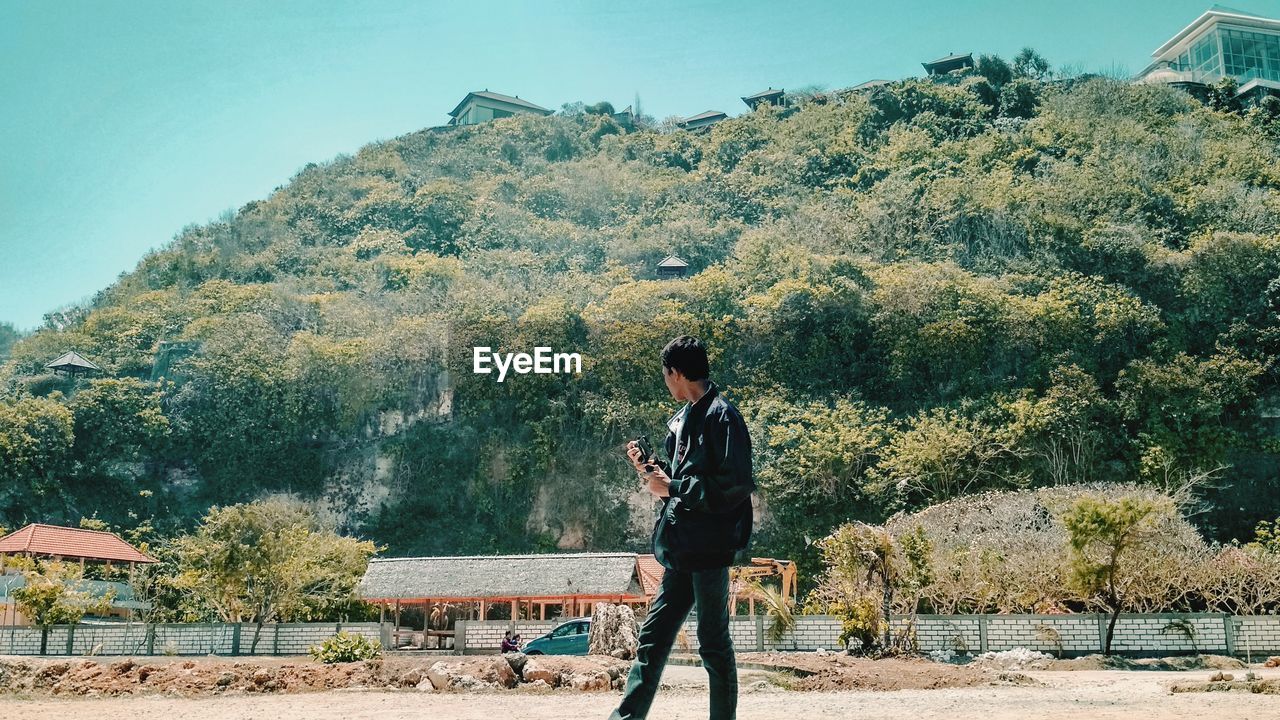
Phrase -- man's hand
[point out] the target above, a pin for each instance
(633, 454)
(659, 483)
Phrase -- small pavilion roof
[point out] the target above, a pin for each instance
(71, 543)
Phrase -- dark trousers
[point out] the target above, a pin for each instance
(708, 590)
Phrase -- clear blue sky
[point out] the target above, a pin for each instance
(121, 122)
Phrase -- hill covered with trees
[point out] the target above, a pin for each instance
(916, 292)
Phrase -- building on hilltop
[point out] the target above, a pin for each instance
(765, 97)
(703, 120)
(1221, 43)
(483, 106)
(950, 63)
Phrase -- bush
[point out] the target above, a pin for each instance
(346, 647)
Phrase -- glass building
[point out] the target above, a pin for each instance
(1222, 43)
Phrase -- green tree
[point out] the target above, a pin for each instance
(1030, 64)
(50, 597)
(1104, 535)
(36, 439)
(271, 561)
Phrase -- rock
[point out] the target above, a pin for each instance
(261, 676)
(1215, 677)
(589, 681)
(225, 679)
(517, 661)
(411, 678)
(1227, 677)
(1273, 661)
(490, 672)
(539, 670)
(614, 631)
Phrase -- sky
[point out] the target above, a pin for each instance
(123, 122)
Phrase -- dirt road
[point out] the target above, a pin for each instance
(1091, 695)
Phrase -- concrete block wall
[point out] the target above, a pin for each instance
(1076, 634)
(23, 641)
(943, 632)
(176, 639)
(478, 637)
(1255, 635)
(194, 639)
(1148, 634)
(129, 639)
(811, 632)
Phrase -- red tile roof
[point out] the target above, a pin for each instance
(650, 573)
(72, 543)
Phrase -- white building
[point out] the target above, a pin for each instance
(483, 106)
(1221, 43)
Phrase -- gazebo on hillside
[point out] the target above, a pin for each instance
(72, 363)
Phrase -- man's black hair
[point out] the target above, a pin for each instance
(688, 355)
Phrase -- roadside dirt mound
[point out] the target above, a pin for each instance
(1219, 682)
(213, 676)
(837, 671)
(1185, 662)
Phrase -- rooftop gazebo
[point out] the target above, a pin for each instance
(72, 363)
(764, 97)
(950, 63)
(702, 120)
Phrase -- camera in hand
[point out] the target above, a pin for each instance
(646, 451)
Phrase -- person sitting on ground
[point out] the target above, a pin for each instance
(510, 644)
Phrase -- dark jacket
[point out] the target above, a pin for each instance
(707, 516)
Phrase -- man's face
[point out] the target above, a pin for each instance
(671, 376)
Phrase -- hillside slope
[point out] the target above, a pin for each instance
(921, 291)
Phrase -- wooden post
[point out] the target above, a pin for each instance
(542, 611)
(484, 611)
(395, 635)
(515, 610)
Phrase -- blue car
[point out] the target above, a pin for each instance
(568, 638)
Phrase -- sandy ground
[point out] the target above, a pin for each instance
(1080, 695)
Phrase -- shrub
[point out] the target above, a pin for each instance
(346, 647)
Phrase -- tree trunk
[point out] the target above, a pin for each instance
(257, 633)
(44, 639)
(1111, 630)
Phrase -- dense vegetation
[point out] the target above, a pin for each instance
(917, 292)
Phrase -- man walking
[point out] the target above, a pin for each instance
(705, 519)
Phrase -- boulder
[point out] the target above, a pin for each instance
(614, 631)
(483, 672)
